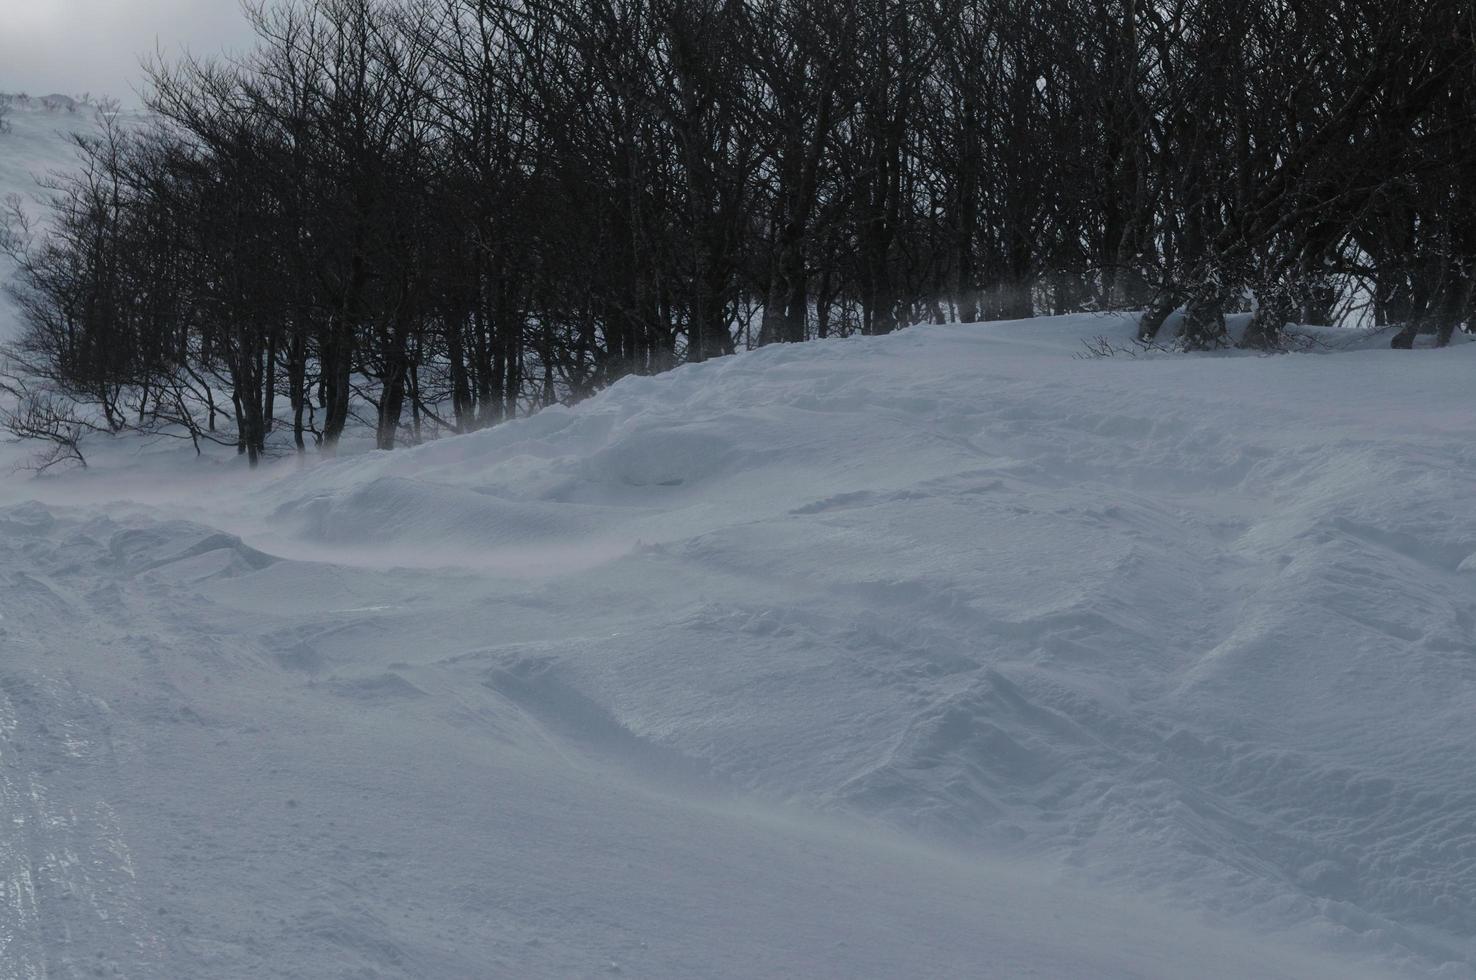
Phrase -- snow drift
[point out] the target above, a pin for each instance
(945, 653)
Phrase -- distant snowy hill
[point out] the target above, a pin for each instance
(940, 654)
(55, 102)
(39, 142)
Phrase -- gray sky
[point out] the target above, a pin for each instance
(75, 46)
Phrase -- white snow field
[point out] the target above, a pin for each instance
(944, 654)
(939, 654)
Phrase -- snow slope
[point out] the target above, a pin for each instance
(37, 144)
(939, 654)
(39, 140)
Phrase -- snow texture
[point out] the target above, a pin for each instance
(941, 654)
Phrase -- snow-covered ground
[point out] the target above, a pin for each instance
(937, 654)
(940, 654)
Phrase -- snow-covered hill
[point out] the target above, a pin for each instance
(36, 143)
(939, 654)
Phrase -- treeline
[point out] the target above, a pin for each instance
(440, 214)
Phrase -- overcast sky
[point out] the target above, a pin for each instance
(75, 46)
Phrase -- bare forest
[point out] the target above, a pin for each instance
(430, 217)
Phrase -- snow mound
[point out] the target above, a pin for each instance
(941, 653)
(1192, 623)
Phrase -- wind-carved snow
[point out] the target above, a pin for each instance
(937, 654)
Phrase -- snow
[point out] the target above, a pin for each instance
(37, 145)
(944, 653)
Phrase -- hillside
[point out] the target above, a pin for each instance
(944, 653)
(37, 143)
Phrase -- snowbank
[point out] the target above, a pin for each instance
(936, 654)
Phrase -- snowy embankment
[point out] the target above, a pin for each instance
(937, 654)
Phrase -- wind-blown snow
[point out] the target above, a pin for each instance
(943, 653)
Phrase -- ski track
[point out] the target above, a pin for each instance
(72, 904)
(74, 907)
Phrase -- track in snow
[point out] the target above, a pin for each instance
(70, 901)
